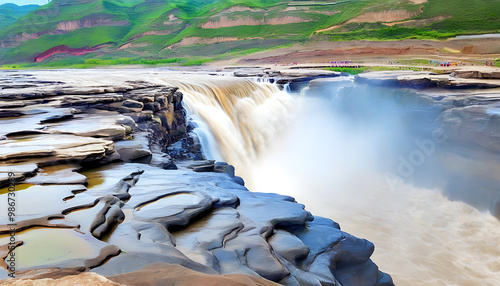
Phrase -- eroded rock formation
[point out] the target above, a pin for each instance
(98, 191)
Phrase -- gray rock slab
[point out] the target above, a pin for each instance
(133, 261)
(288, 246)
(60, 177)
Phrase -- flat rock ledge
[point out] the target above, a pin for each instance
(460, 79)
(292, 79)
(102, 196)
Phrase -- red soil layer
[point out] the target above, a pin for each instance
(63, 49)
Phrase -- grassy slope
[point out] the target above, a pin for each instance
(10, 13)
(467, 17)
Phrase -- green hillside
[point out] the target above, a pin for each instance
(10, 13)
(148, 31)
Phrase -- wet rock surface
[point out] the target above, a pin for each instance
(99, 190)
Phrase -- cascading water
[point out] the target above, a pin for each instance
(334, 156)
(241, 115)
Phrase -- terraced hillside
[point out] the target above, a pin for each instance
(95, 32)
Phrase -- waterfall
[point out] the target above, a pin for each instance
(305, 146)
(242, 116)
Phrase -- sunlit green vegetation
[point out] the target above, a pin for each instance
(153, 26)
(10, 13)
(364, 69)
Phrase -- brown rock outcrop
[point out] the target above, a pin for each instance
(170, 274)
(384, 16)
(89, 21)
(224, 21)
(87, 278)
